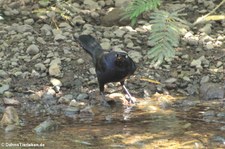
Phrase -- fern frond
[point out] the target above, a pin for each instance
(165, 34)
(137, 7)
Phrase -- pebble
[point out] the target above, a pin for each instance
(82, 96)
(91, 4)
(55, 70)
(32, 49)
(11, 101)
(65, 99)
(135, 55)
(56, 82)
(211, 91)
(46, 126)
(92, 70)
(10, 116)
(40, 67)
(3, 88)
(71, 111)
(3, 74)
(106, 45)
(29, 21)
(80, 61)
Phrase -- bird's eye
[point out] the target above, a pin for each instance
(126, 56)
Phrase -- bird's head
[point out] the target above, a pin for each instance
(122, 59)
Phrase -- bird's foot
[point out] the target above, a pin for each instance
(104, 103)
(131, 99)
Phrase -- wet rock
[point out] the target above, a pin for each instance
(86, 114)
(72, 112)
(32, 49)
(46, 126)
(10, 116)
(11, 128)
(3, 88)
(135, 55)
(211, 91)
(192, 89)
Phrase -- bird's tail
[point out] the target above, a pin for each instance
(90, 45)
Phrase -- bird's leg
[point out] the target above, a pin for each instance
(132, 99)
(103, 100)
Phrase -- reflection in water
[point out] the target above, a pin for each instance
(142, 126)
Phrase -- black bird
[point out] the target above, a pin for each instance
(110, 67)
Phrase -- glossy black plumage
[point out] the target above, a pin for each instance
(110, 67)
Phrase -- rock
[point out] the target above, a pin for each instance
(10, 128)
(59, 37)
(121, 3)
(3, 74)
(56, 82)
(78, 20)
(82, 96)
(119, 33)
(55, 70)
(114, 18)
(65, 99)
(204, 79)
(135, 55)
(32, 49)
(86, 114)
(92, 70)
(106, 45)
(10, 116)
(171, 80)
(192, 89)
(11, 102)
(46, 126)
(29, 21)
(3, 88)
(72, 112)
(211, 91)
(46, 29)
(206, 29)
(197, 63)
(91, 4)
(40, 67)
(80, 61)
(25, 28)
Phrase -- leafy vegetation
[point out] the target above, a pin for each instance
(137, 7)
(165, 35)
(165, 30)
